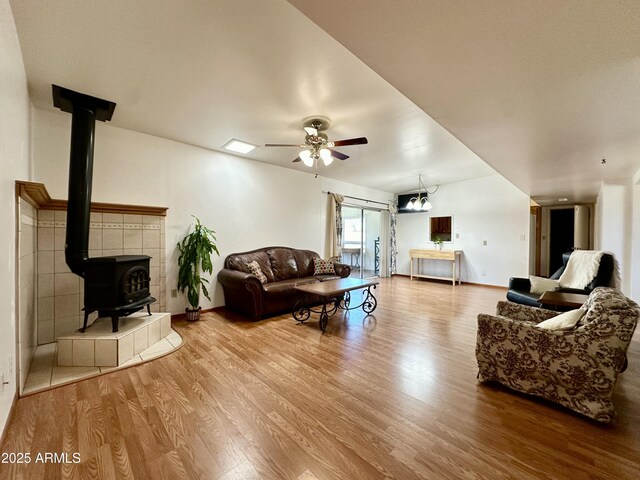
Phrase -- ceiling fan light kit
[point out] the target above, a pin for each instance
(316, 144)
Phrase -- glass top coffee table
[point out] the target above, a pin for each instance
(334, 295)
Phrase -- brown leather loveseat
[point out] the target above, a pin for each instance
(284, 268)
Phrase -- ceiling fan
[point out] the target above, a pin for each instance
(317, 145)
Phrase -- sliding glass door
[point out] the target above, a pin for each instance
(361, 240)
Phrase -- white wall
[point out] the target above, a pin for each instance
(14, 164)
(488, 208)
(249, 204)
(635, 239)
(614, 209)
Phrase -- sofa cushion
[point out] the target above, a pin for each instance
(304, 259)
(287, 286)
(255, 269)
(283, 264)
(564, 321)
(323, 267)
(539, 285)
(324, 278)
(239, 262)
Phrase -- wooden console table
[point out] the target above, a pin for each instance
(452, 256)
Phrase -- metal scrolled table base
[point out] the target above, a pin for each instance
(302, 311)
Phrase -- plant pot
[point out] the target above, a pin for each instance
(193, 314)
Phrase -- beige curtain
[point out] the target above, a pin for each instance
(333, 244)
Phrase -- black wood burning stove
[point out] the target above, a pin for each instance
(114, 286)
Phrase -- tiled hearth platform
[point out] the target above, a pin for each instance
(99, 347)
(78, 356)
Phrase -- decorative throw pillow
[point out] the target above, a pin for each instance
(323, 267)
(564, 321)
(539, 285)
(255, 269)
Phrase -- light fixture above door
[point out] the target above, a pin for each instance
(421, 203)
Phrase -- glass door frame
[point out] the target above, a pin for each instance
(362, 235)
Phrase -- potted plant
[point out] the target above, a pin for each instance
(194, 259)
(438, 242)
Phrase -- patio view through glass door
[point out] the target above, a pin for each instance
(361, 240)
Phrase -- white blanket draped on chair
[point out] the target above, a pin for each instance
(581, 269)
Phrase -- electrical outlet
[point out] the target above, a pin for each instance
(484, 242)
(523, 236)
(174, 293)
(484, 273)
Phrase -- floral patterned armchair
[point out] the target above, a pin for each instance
(576, 368)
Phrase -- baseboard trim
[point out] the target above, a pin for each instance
(404, 275)
(183, 316)
(12, 411)
(499, 287)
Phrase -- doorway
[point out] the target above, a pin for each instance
(361, 228)
(561, 235)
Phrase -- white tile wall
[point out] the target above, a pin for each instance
(60, 292)
(59, 237)
(133, 239)
(150, 238)
(27, 306)
(112, 217)
(59, 262)
(66, 284)
(45, 238)
(45, 285)
(45, 262)
(112, 238)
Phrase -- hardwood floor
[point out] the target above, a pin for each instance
(389, 396)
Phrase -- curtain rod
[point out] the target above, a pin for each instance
(361, 199)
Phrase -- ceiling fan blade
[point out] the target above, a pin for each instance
(338, 155)
(351, 141)
(311, 131)
(298, 159)
(280, 145)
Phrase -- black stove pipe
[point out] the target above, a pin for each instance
(76, 248)
(85, 110)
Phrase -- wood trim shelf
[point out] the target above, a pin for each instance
(36, 195)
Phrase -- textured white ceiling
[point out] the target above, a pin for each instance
(541, 90)
(203, 72)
